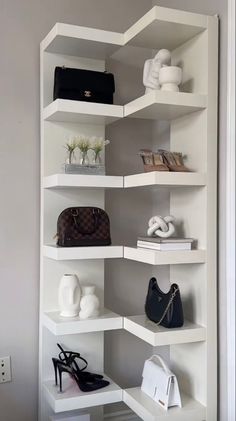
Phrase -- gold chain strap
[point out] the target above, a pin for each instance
(168, 306)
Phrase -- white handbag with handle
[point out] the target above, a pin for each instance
(160, 383)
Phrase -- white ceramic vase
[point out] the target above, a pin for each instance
(69, 295)
(170, 78)
(89, 304)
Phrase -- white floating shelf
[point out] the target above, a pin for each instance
(148, 410)
(155, 335)
(155, 105)
(72, 398)
(163, 105)
(152, 179)
(81, 41)
(159, 28)
(76, 180)
(165, 28)
(154, 257)
(80, 253)
(82, 112)
(67, 326)
(165, 178)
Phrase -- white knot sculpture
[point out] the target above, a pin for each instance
(161, 226)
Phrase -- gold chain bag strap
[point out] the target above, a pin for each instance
(168, 306)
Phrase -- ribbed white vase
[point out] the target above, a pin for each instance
(69, 295)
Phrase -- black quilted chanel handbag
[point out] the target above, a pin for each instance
(164, 309)
(83, 226)
(83, 85)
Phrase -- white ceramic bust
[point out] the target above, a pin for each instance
(152, 68)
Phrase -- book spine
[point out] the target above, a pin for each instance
(143, 243)
(165, 247)
(164, 244)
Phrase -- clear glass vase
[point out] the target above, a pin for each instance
(71, 159)
(84, 159)
(97, 159)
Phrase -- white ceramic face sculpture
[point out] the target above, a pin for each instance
(69, 294)
(152, 68)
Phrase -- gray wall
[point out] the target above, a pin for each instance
(23, 25)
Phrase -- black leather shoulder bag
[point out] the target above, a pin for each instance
(164, 308)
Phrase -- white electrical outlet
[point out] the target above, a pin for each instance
(5, 369)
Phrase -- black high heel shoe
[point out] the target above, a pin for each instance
(83, 375)
(85, 383)
(66, 356)
(69, 358)
(55, 365)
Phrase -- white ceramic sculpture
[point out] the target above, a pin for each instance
(69, 295)
(170, 78)
(152, 68)
(161, 227)
(89, 304)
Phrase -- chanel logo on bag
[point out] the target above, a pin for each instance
(88, 94)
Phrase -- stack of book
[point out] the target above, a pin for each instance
(165, 244)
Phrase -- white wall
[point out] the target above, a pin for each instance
(23, 25)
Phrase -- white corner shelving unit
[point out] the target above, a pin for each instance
(82, 112)
(57, 181)
(159, 336)
(148, 410)
(59, 326)
(73, 399)
(165, 105)
(82, 253)
(153, 257)
(192, 116)
(155, 178)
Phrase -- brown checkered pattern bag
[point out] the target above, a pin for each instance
(83, 226)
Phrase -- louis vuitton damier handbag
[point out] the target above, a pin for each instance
(83, 226)
(83, 85)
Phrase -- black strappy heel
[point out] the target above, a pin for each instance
(69, 358)
(56, 362)
(85, 384)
